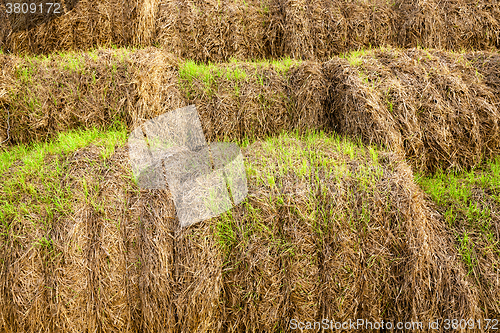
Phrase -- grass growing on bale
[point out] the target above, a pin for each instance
(37, 163)
(324, 214)
(49, 94)
(330, 229)
(469, 203)
(46, 95)
(37, 196)
(253, 99)
(436, 108)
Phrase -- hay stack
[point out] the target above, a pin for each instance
(428, 106)
(329, 230)
(83, 24)
(320, 30)
(432, 107)
(213, 30)
(63, 92)
(238, 100)
(154, 85)
(449, 24)
(331, 245)
(88, 89)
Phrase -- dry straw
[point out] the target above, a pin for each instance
(318, 241)
(449, 24)
(431, 107)
(436, 108)
(212, 30)
(82, 24)
(319, 30)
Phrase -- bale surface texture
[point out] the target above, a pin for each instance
(210, 30)
(329, 230)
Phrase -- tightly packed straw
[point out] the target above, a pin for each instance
(449, 24)
(432, 107)
(329, 230)
(436, 108)
(81, 24)
(319, 30)
(211, 30)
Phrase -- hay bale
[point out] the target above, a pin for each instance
(203, 30)
(248, 24)
(91, 273)
(325, 243)
(167, 33)
(449, 24)
(329, 230)
(198, 274)
(433, 113)
(28, 257)
(150, 250)
(320, 30)
(154, 82)
(212, 31)
(144, 27)
(308, 88)
(64, 92)
(26, 294)
(238, 100)
(83, 24)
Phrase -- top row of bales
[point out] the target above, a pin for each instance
(217, 30)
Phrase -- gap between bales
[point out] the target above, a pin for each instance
(330, 230)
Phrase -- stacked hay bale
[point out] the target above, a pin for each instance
(438, 109)
(429, 106)
(60, 92)
(255, 100)
(213, 30)
(329, 230)
(237, 100)
(210, 30)
(80, 24)
(449, 24)
(67, 91)
(320, 30)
